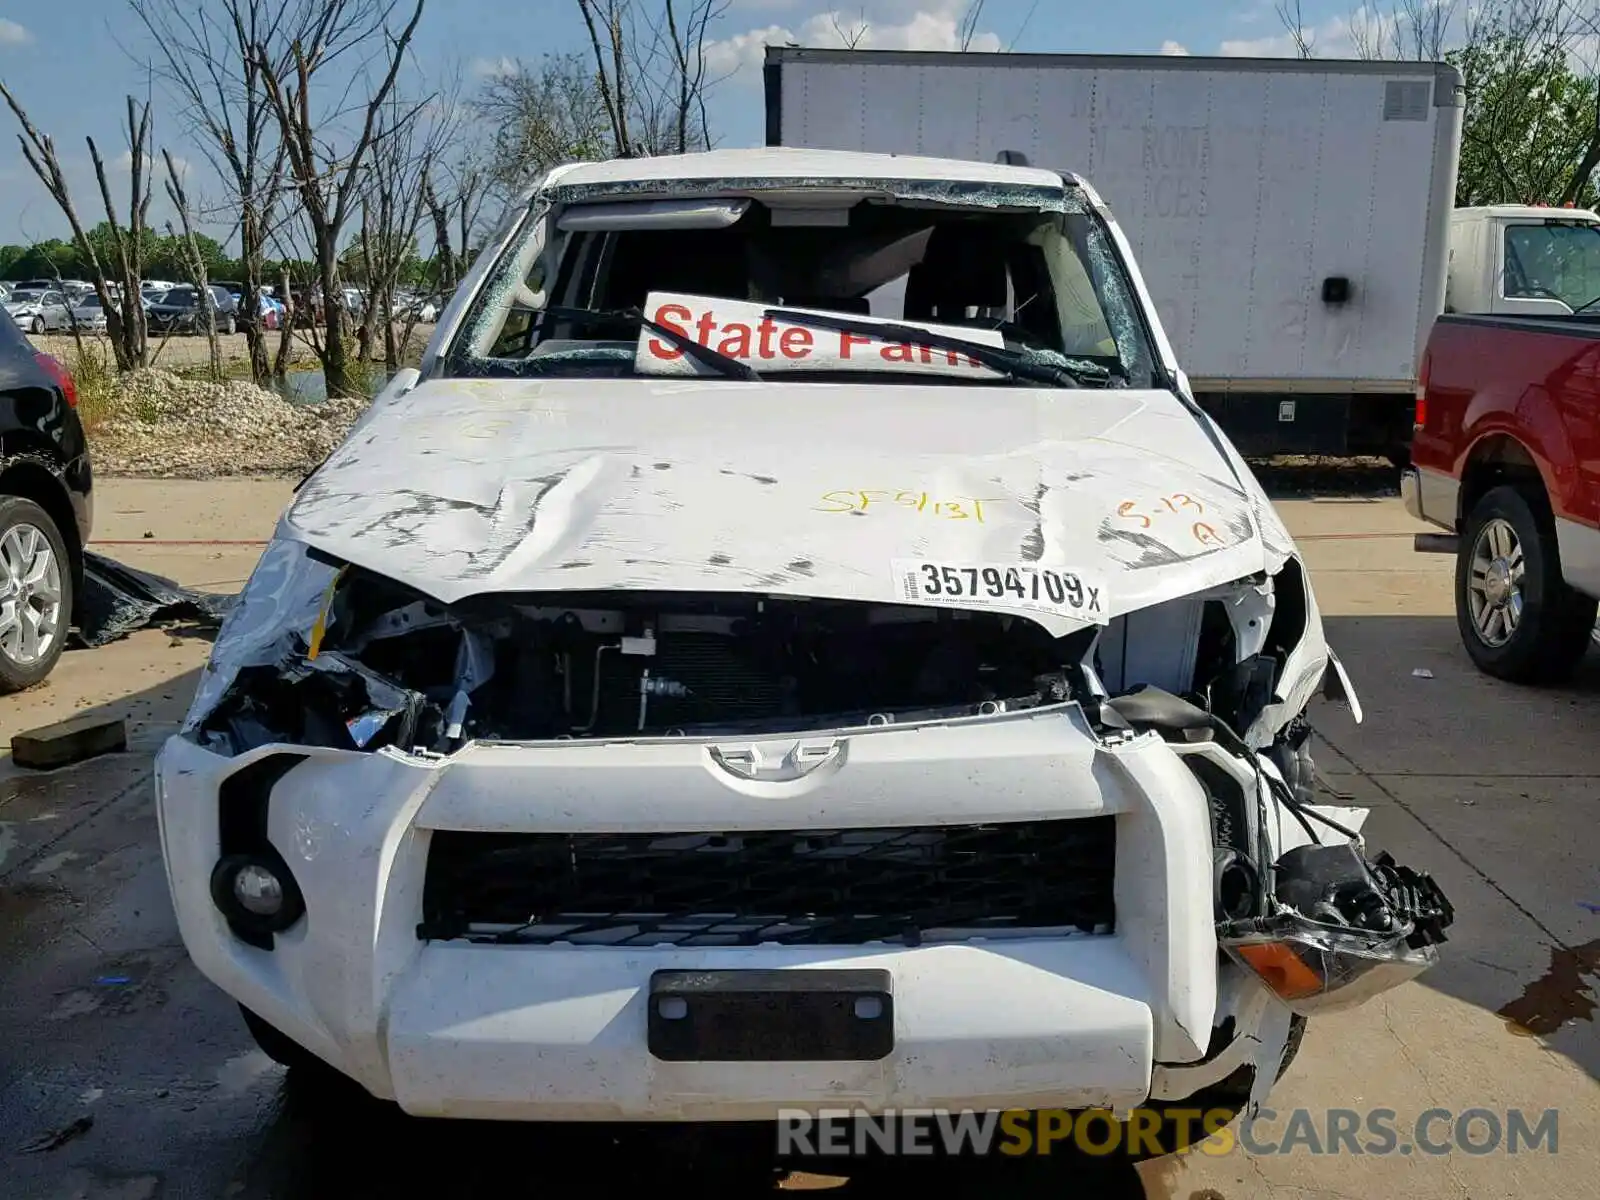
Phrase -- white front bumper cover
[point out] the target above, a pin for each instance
(558, 1032)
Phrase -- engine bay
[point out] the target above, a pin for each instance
(397, 669)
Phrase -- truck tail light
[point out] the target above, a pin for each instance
(1421, 417)
(62, 376)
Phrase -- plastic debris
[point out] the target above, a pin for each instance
(118, 600)
(1590, 905)
(366, 726)
(1421, 673)
(59, 1137)
(113, 980)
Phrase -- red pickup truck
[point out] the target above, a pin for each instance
(1506, 457)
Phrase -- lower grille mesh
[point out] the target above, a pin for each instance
(845, 887)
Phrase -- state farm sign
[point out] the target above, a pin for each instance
(740, 330)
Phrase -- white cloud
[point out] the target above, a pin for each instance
(485, 68)
(1366, 32)
(934, 25)
(1277, 46)
(1174, 49)
(12, 34)
(734, 55)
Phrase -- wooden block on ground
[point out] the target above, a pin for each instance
(69, 741)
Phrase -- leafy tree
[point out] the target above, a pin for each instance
(1529, 133)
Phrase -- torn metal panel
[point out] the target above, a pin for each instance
(468, 487)
(277, 608)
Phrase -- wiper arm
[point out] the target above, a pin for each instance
(996, 357)
(702, 354)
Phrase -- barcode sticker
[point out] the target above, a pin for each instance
(1001, 585)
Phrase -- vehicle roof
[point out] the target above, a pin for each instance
(1526, 210)
(792, 163)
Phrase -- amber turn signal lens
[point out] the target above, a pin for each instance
(1281, 969)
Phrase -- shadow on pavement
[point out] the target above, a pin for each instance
(333, 1145)
(1490, 787)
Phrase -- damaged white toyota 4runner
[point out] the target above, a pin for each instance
(795, 644)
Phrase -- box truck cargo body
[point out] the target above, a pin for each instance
(1291, 218)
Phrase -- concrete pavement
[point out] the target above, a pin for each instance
(1491, 788)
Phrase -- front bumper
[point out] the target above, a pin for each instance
(558, 1031)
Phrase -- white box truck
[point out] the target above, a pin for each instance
(1292, 218)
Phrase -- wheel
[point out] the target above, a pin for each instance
(35, 593)
(1518, 618)
(37, 326)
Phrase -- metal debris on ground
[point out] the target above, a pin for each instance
(59, 1137)
(118, 600)
(1422, 673)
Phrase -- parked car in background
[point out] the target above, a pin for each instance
(45, 508)
(179, 310)
(38, 311)
(88, 313)
(272, 312)
(1506, 459)
(422, 308)
(36, 285)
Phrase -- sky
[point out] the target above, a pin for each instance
(71, 63)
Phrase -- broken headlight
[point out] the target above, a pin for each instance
(1341, 928)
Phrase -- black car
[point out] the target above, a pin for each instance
(178, 311)
(46, 508)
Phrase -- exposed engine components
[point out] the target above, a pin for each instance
(392, 668)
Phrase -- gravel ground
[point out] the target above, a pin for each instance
(160, 424)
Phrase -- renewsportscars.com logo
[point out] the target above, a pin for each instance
(848, 1133)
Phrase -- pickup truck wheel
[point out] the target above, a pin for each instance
(1518, 618)
(35, 594)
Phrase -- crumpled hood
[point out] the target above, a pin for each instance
(462, 487)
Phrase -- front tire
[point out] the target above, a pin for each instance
(36, 326)
(35, 594)
(1518, 619)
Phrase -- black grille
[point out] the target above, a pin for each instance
(844, 887)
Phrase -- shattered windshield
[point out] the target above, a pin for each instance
(1029, 271)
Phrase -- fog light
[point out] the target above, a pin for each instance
(258, 890)
(257, 894)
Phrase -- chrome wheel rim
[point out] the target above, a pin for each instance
(1495, 583)
(30, 595)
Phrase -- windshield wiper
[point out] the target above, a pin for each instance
(702, 354)
(1010, 362)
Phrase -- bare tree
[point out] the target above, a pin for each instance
(1293, 20)
(542, 114)
(686, 45)
(850, 35)
(124, 313)
(206, 52)
(194, 261)
(968, 27)
(454, 195)
(328, 178)
(406, 147)
(650, 72)
(611, 63)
